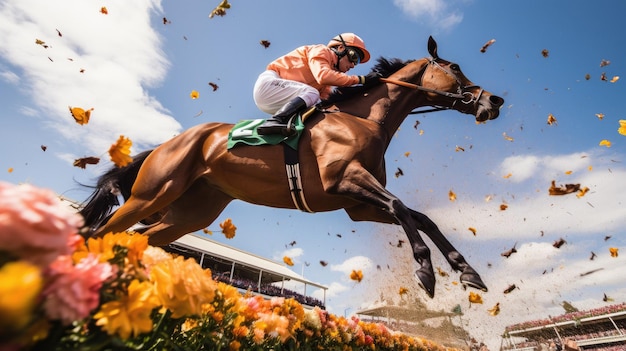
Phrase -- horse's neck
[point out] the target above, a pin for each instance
(393, 103)
(388, 104)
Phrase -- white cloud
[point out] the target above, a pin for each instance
(436, 11)
(524, 167)
(334, 289)
(121, 56)
(353, 263)
(531, 210)
(293, 253)
(9, 77)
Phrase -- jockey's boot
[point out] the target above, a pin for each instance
(277, 124)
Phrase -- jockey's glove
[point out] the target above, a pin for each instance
(370, 79)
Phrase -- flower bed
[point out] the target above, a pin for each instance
(59, 292)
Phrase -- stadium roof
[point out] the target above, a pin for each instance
(206, 245)
(402, 313)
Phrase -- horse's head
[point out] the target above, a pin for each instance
(448, 87)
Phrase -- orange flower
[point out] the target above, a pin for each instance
(136, 244)
(403, 291)
(272, 325)
(288, 261)
(228, 228)
(104, 11)
(551, 119)
(613, 251)
(356, 275)
(451, 195)
(80, 116)
(120, 151)
(194, 94)
(475, 298)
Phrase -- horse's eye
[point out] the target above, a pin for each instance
(455, 67)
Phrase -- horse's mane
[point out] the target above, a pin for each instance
(384, 67)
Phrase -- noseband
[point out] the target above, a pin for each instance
(462, 95)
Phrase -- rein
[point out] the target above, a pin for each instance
(461, 95)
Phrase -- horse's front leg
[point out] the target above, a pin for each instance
(387, 208)
(469, 277)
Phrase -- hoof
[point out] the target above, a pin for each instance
(472, 279)
(426, 282)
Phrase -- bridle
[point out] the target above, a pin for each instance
(462, 95)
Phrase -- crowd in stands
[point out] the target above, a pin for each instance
(572, 316)
(267, 289)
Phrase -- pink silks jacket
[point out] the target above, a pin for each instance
(312, 65)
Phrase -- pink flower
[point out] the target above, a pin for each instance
(35, 225)
(73, 291)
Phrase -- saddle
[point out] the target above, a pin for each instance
(244, 132)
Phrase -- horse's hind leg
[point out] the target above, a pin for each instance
(468, 275)
(196, 209)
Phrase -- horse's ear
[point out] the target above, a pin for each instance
(432, 47)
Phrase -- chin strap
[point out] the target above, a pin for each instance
(341, 54)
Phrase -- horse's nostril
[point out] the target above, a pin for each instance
(496, 100)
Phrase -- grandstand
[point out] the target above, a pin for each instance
(599, 329)
(415, 319)
(246, 271)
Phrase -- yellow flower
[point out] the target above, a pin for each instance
(605, 142)
(194, 94)
(183, 286)
(135, 243)
(495, 310)
(20, 286)
(131, 313)
(622, 127)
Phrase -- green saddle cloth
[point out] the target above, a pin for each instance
(244, 132)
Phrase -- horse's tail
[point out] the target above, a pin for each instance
(98, 207)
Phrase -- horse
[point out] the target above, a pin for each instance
(183, 184)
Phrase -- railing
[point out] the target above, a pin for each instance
(601, 340)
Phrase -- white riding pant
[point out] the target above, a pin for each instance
(272, 92)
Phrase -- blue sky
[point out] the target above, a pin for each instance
(139, 72)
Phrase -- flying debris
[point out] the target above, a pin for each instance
(509, 252)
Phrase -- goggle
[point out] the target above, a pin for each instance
(353, 56)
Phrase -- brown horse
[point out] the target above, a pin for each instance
(185, 183)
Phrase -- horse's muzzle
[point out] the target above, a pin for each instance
(488, 107)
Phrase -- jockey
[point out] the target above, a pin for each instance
(306, 75)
